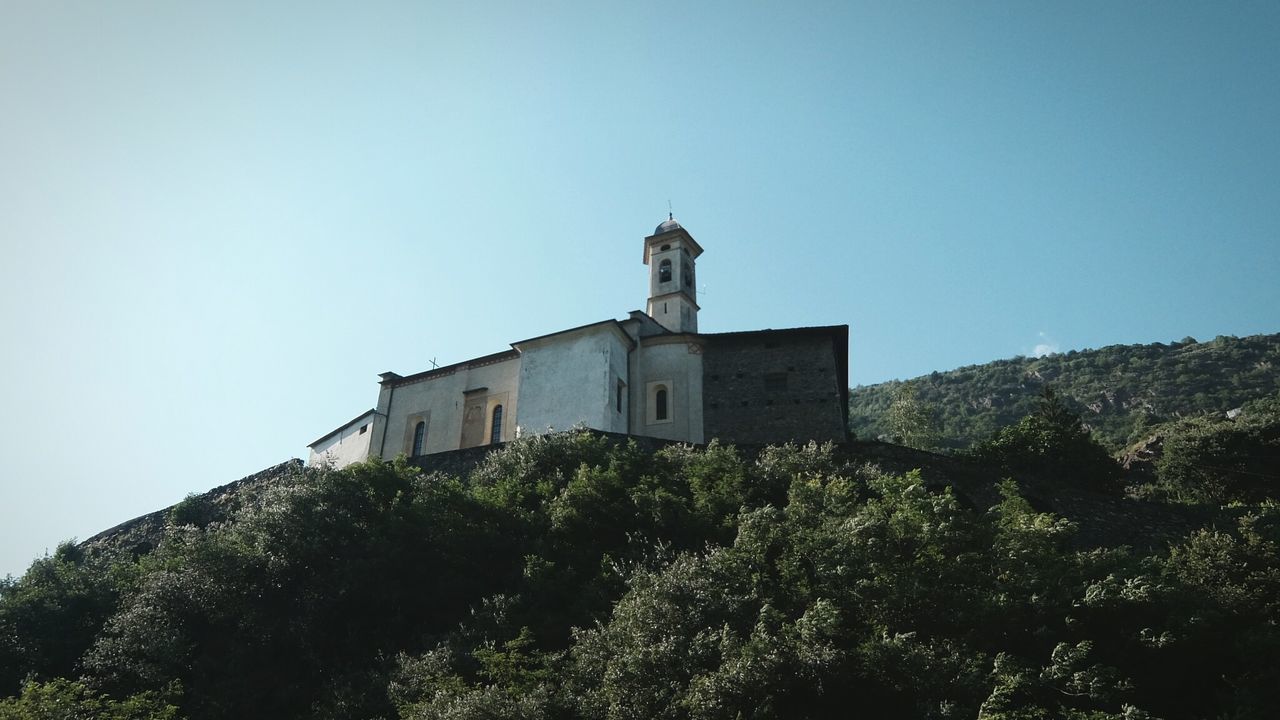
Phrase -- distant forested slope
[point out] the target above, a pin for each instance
(1119, 390)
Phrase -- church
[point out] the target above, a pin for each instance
(652, 374)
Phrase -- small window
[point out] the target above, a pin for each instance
(618, 404)
(419, 437)
(495, 430)
(364, 428)
(664, 271)
(664, 248)
(660, 404)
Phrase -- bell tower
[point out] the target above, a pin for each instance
(670, 253)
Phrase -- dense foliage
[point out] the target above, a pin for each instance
(1050, 443)
(572, 577)
(1121, 390)
(1220, 459)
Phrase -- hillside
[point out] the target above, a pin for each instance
(590, 576)
(578, 575)
(1119, 390)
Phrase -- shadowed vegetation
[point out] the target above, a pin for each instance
(570, 576)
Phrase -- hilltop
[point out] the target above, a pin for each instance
(586, 575)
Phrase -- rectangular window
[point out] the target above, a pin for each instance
(618, 404)
(364, 428)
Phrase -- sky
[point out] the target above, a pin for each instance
(219, 221)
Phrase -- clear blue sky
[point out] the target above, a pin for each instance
(219, 221)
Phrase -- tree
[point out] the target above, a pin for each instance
(49, 617)
(1052, 443)
(1217, 460)
(61, 698)
(911, 421)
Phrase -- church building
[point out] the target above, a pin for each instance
(652, 374)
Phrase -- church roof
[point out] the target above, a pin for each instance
(394, 380)
(603, 323)
(344, 426)
(670, 226)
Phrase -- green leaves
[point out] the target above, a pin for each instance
(576, 577)
(1122, 391)
(1052, 443)
(50, 616)
(911, 422)
(61, 699)
(1220, 460)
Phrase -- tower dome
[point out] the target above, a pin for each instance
(667, 225)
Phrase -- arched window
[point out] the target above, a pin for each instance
(658, 407)
(419, 437)
(495, 431)
(664, 271)
(686, 272)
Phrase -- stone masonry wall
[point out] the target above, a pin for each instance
(768, 387)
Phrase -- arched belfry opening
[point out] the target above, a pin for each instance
(671, 254)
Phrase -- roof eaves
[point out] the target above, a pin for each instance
(343, 426)
(450, 369)
(812, 330)
(615, 323)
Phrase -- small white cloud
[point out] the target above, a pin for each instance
(1046, 346)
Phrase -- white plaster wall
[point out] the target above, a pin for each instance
(570, 379)
(674, 311)
(656, 257)
(440, 400)
(619, 369)
(346, 446)
(678, 360)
